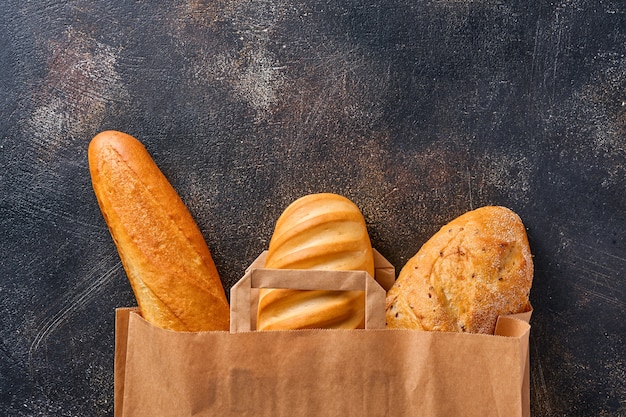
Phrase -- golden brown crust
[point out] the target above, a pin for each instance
(166, 259)
(477, 267)
(297, 309)
(319, 231)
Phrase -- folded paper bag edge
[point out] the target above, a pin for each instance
(518, 326)
(122, 317)
(241, 319)
(240, 293)
(240, 304)
(293, 279)
(384, 271)
(514, 325)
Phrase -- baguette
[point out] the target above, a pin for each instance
(165, 257)
(319, 231)
(477, 267)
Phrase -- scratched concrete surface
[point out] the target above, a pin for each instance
(416, 110)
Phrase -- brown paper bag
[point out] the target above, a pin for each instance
(371, 372)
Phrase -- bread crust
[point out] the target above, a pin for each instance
(163, 252)
(318, 231)
(475, 268)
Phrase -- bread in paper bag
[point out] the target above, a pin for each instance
(319, 231)
(476, 268)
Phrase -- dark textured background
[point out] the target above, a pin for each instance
(416, 110)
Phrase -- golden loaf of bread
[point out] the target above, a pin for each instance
(319, 231)
(477, 267)
(165, 257)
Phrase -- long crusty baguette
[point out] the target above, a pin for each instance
(166, 259)
(318, 231)
(477, 267)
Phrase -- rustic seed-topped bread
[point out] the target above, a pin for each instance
(477, 267)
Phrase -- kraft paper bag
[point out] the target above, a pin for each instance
(368, 372)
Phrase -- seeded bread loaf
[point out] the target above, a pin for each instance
(477, 267)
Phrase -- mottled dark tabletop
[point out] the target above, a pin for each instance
(416, 110)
